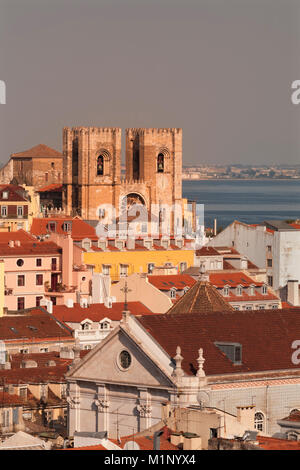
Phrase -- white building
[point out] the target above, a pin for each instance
(275, 246)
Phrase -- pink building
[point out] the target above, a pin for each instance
(37, 270)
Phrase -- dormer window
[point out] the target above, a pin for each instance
(264, 289)
(173, 293)
(226, 291)
(5, 195)
(239, 290)
(86, 325)
(104, 324)
(232, 350)
(251, 290)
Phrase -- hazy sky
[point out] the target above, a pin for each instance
(220, 69)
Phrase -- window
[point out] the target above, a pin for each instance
(106, 269)
(236, 307)
(39, 279)
(160, 163)
(3, 211)
(51, 226)
(20, 262)
(20, 211)
(66, 227)
(248, 307)
(43, 391)
(292, 436)
(21, 280)
(21, 303)
(87, 346)
(269, 263)
(251, 290)
(269, 248)
(270, 280)
(5, 195)
(100, 166)
(182, 266)
(38, 300)
(54, 264)
(123, 270)
(38, 262)
(105, 325)
(125, 360)
(86, 326)
(226, 291)
(150, 267)
(173, 293)
(46, 177)
(239, 291)
(23, 392)
(24, 351)
(261, 307)
(44, 350)
(232, 350)
(52, 165)
(213, 432)
(259, 421)
(5, 418)
(264, 289)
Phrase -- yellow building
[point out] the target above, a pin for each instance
(118, 261)
(1, 287)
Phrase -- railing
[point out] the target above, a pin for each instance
(91, 335)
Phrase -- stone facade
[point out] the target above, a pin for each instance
(92, 169)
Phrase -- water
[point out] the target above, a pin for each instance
(250, 201)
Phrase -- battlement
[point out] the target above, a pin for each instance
(92, 130)
(152, 130)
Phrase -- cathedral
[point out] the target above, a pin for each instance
(92, 170)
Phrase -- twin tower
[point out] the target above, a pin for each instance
(92, 168)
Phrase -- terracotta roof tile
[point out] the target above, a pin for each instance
(79, 229)
(96, 312)
(201, 297)
(260, 333)
(39, 150)
(166, 282)
(28, 248)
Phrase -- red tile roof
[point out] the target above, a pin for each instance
(207, 251)
(39, 150)
(294, 416)
(96, 312)
(232, 279)
(33, 375)
(260, 333)
(15, 193)
(29, 248)
(39, 325)
(297, 226)
(146, 442)
(166, 282)
(50, 188)
(271, 443)
(8, 399)
(20, 235)
(79, 230)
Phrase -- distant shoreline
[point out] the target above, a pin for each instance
(241, 179)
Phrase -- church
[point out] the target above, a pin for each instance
(92, 180)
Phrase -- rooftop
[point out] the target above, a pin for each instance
(39, 150)
(169, 281)
(259, 332)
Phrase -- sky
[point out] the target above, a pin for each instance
(220, 70)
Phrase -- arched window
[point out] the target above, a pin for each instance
(259, 421)
(160, 163)
(100, 165)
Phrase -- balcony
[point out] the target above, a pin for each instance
(91, 335)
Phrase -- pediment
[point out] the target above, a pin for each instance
(103, 364)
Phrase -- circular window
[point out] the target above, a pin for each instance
(20, 262)
(125, 359)
(84, 278)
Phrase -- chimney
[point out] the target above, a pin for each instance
(70, 303)
(17, 243)
(176, 438)
(11, 243)
(215, 227)
(156, 440)
(245, 415)
(130, 245)
(192, 441)
(293, 292)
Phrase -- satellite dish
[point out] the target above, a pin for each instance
(203, 399)
(131, 445)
